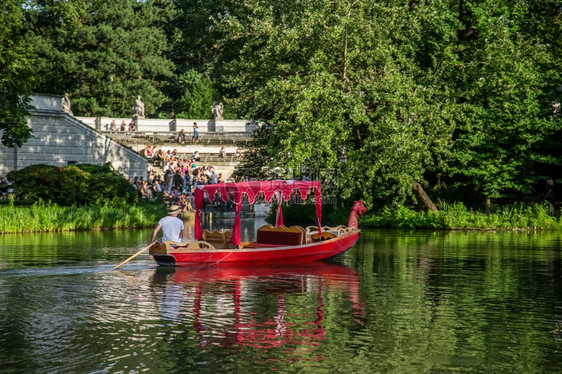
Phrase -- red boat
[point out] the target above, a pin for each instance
(273, 243)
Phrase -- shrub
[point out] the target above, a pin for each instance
(457, 216)
(43, 182)
(79, 185)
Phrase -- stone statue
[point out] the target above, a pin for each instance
(65, 105)
(217, 111)
(138, 108)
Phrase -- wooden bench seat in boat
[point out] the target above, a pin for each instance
(219, 239)
(268, 235)
(312, 231)
(324, 236)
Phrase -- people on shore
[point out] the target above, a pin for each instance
(149, 152)
(178, 179)
(195, 138)
(167, 167)
(185, 201)
(159, 158)
(179, 175)
(146, 190)
(239, 154)
(214, 176)
(156, 187)
(181, 136)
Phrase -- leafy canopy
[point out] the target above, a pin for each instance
(342, 81)
(102, 53)
(16, 75)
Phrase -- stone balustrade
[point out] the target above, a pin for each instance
(173, 125)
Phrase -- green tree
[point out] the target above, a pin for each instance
(508, 78)
(16, 75)
(404, 92)
(195, 35)
(103, 54)
(346, 80)
(198, 95)
(198, 54)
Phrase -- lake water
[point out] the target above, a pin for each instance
(405, 302)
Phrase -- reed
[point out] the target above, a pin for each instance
(457, 216)
(51, 217)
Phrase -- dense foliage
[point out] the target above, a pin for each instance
(102, 53)
(16, 75)
(454, 95)
(73, 185)
(458, 96)
(457, 216)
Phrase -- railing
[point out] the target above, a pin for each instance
(172, 125)
(168, 136)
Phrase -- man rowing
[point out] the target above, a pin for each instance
(172, 227)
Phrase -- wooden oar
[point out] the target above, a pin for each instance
(133, 256)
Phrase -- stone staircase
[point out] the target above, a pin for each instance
(208, 147)
(171, 138)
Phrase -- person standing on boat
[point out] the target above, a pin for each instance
(172, 227)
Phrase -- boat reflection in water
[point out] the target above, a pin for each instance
(260, 306)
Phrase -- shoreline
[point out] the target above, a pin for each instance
(42, 217)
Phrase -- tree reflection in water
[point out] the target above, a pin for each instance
(233, 305)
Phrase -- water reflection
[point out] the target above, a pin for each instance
(403, 302)
(256, 307)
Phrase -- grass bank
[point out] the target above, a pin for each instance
(457, 216)
(51, 217)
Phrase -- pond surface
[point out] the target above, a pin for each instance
(406, 302)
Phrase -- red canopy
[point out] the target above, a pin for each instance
(236, 191)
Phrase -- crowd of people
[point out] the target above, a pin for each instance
(159, 157)
(178, 178)
(123, 127)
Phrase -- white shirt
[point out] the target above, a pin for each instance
(171, 228)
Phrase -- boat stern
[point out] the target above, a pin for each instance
(165, 260)
(160, 254)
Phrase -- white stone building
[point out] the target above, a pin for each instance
(60, 139)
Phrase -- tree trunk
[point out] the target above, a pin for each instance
(420, 193)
